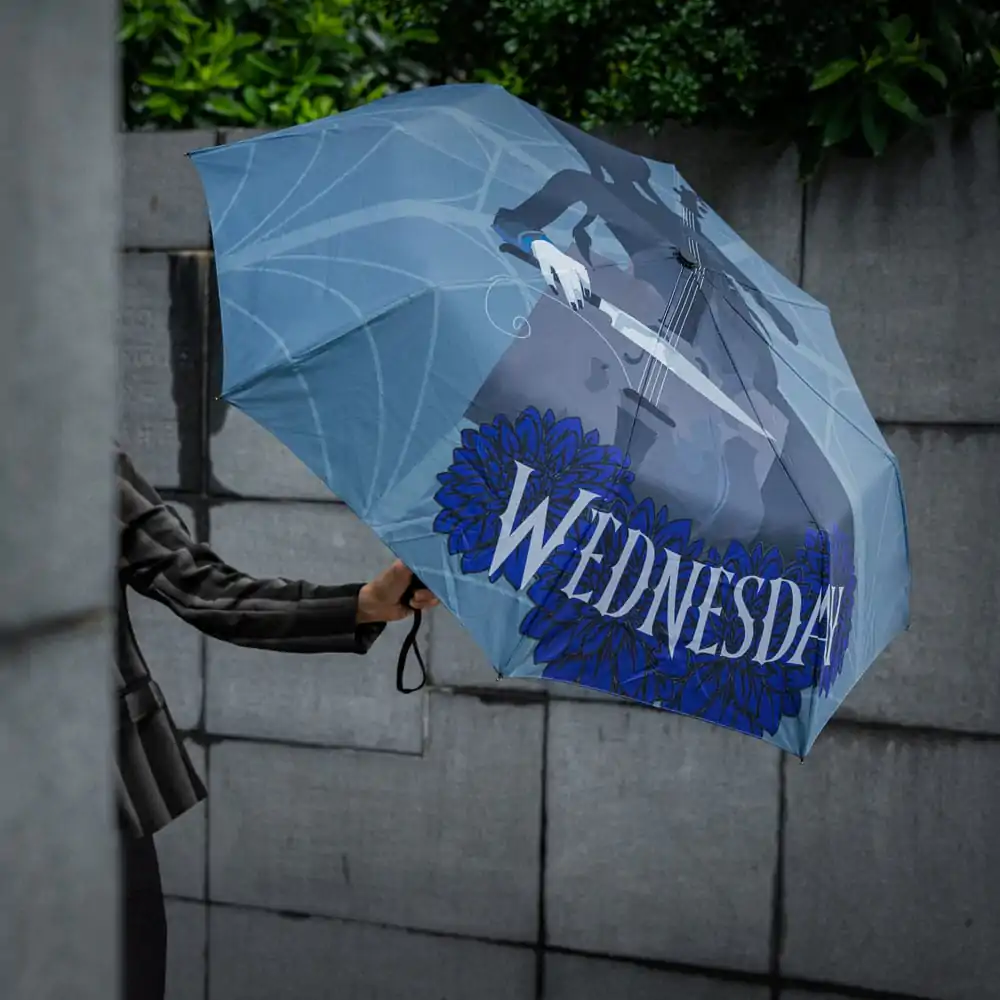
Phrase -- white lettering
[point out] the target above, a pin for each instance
(533, 528)
(649, 558)
(769, 619)
(823, 608)
(706, 609)
(588, 556)
(668, 585)
(746, 619)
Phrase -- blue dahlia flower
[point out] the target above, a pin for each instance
(827, 560)
(735, 690)
(576, 642)
(477, 487)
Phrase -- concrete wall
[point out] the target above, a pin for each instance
(479, 841)
(58, 287)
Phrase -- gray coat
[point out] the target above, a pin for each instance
(159, 559)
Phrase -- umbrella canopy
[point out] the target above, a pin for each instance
(622, 449)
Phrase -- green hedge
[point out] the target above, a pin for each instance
(854, 74)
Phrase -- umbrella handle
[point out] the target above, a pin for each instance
(515, 251)
(414, 585)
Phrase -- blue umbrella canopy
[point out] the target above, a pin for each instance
(624, 450)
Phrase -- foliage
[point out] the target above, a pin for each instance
(253, 62)
(899, 75)
(851, 74)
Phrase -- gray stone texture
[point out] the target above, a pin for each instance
(164, 202)
(457, 661)
(662, 837)
(892, 865)
(905, 256)
(182, 847)
(187, 950)
(172, 648)
(569, 977)
(59, 215)
(247, 461)
(58, 866)
(943, 672)
(335, 700)
(260, 956)
(161, 362)
(448, 841)
(661, 833)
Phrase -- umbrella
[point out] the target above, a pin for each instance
(622, 449)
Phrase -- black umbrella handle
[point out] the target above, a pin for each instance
(414, 585)
(592, 297)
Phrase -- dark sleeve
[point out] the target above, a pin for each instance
(521, 225)
(159, 559)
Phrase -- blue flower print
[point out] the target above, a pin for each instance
(477, 487)
(827, 560)
(737, 691)
(578, 643)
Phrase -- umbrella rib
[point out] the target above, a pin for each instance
(236, 194)
(322, 194)
(777, 354)
(376, 362)
(321, 436)
(420, 395)
(779, 457)
(288, 194)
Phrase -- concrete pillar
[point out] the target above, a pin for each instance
(58, 302)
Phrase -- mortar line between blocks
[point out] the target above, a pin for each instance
(778, 886)
(543, 819)
(207, 878)
(53, 625)
(681, 968)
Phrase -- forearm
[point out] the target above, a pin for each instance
(160, 559)
(276, 614)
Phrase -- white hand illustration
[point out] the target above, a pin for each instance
(561, 271)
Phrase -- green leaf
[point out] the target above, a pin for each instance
(264, 64)
(995, 52)
(324, 106)
(841, 124)
(425, 36)
(934, 72)
(897, 99)
(896, 31)
(166, 104)
(873, 126)
(832, 72)
(227, 107)
(253, 100)
(949, 41)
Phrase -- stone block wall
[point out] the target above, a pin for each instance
(482, 840)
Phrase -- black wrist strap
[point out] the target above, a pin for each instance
(410, 642)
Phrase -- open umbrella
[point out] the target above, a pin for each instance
(622, 449)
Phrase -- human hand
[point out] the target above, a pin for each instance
(562, 271)
(380, 600)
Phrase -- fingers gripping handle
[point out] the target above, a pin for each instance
(414, 585)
